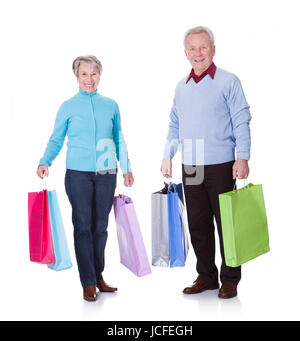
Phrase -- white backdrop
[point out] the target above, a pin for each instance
(140, 46)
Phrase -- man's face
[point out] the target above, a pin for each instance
(199, 51)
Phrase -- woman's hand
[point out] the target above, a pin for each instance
(42, 171)
(128, 179)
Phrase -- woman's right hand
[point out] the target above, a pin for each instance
(42, 171)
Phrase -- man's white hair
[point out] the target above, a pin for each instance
(200, 29)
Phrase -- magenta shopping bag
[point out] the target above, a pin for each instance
(133, 253)
(40, 237)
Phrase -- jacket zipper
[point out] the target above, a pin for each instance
(93, 113)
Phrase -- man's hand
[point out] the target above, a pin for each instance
(240, 169)
(128, 179)
(42, 171)
(166, 168)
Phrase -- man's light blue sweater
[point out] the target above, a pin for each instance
(95, 139)
(209, 120)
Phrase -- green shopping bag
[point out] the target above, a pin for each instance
(244, 224)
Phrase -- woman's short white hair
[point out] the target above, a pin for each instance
(200, 29)
(86, 59)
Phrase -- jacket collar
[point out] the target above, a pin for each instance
(86, 94)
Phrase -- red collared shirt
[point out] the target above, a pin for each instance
(210, 71)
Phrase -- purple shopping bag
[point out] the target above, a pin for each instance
(133, 253)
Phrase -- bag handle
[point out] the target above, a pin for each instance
(245, 185)
(44, 182)
(126, 199)
(171, 184)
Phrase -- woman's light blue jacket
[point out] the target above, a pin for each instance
(95, 140)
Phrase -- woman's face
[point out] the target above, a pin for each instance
(88, 77)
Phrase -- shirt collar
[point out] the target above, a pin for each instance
(209, 71)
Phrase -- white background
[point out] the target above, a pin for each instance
(140, 46)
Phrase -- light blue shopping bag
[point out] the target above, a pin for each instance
(176, 242)
(60, 245)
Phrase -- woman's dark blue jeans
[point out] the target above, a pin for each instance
(91, 197)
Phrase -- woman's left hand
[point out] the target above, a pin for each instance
(128, 179)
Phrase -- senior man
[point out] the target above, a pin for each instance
(210, 121)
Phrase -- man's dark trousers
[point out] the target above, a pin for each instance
(202, 204)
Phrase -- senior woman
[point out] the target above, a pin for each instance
(95, 140)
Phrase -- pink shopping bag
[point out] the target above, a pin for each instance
(40, 237)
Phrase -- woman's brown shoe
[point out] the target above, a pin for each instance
(89, 293)
(103, 287)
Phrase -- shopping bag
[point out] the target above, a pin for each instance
(61, 250)
(40, 238)
(133, 253)
(244, 224)
(183, 219)
(169, 228)
(160, 228)
(176, 242)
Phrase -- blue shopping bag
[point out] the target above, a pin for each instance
(60, 245)
(176, 242)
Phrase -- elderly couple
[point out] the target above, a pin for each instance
(209, 111)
